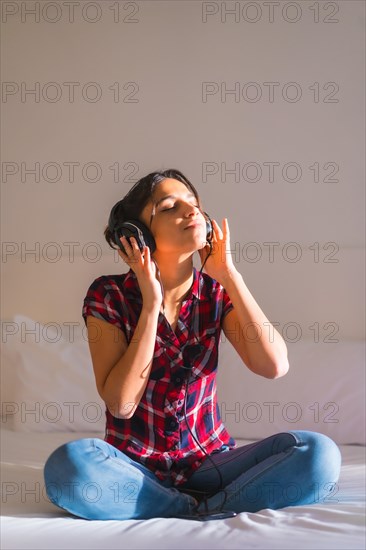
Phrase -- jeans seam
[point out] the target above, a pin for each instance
(191, 501)
(211, 467)
(282, 459)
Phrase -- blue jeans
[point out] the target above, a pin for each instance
(92, 479)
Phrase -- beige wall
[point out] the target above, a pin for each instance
(172, 62)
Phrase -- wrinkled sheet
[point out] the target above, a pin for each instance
(30, 521)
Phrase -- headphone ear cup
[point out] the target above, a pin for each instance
(135, 228)
(209, 229)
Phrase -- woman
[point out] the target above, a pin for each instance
(154, 336)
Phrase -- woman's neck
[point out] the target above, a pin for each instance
(176, 279)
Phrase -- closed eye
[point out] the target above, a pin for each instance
(172, 207)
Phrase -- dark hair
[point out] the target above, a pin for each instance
(133, 203)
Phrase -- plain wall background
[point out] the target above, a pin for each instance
(161, 53)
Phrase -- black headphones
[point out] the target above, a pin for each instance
(142, 234)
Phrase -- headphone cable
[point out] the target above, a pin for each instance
(221, 486)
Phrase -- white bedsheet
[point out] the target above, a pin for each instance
(30, 521)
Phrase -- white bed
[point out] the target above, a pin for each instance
(40, 378)
(29, 520)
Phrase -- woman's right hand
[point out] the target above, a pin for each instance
(145, 269)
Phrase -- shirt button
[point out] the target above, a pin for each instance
(173, 424)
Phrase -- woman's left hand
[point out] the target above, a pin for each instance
(219, 264)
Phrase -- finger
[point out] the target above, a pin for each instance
(130, 248)
(148, 262)
(122, 254)
(135, 247)
(217, 229)
(214, 230)
(226, 230)
(126, 244)
(146, 255)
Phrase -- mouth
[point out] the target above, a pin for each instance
(192, 225)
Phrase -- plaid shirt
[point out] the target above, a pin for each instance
(157, 435)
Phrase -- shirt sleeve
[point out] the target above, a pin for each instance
(100, 302)
(226, 304)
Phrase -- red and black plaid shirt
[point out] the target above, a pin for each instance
(157, 435)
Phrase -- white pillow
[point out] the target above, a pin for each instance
(323, 391)
(48, 385)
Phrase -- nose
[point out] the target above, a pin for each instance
(190, 210)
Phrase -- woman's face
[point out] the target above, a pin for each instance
(177, 223)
